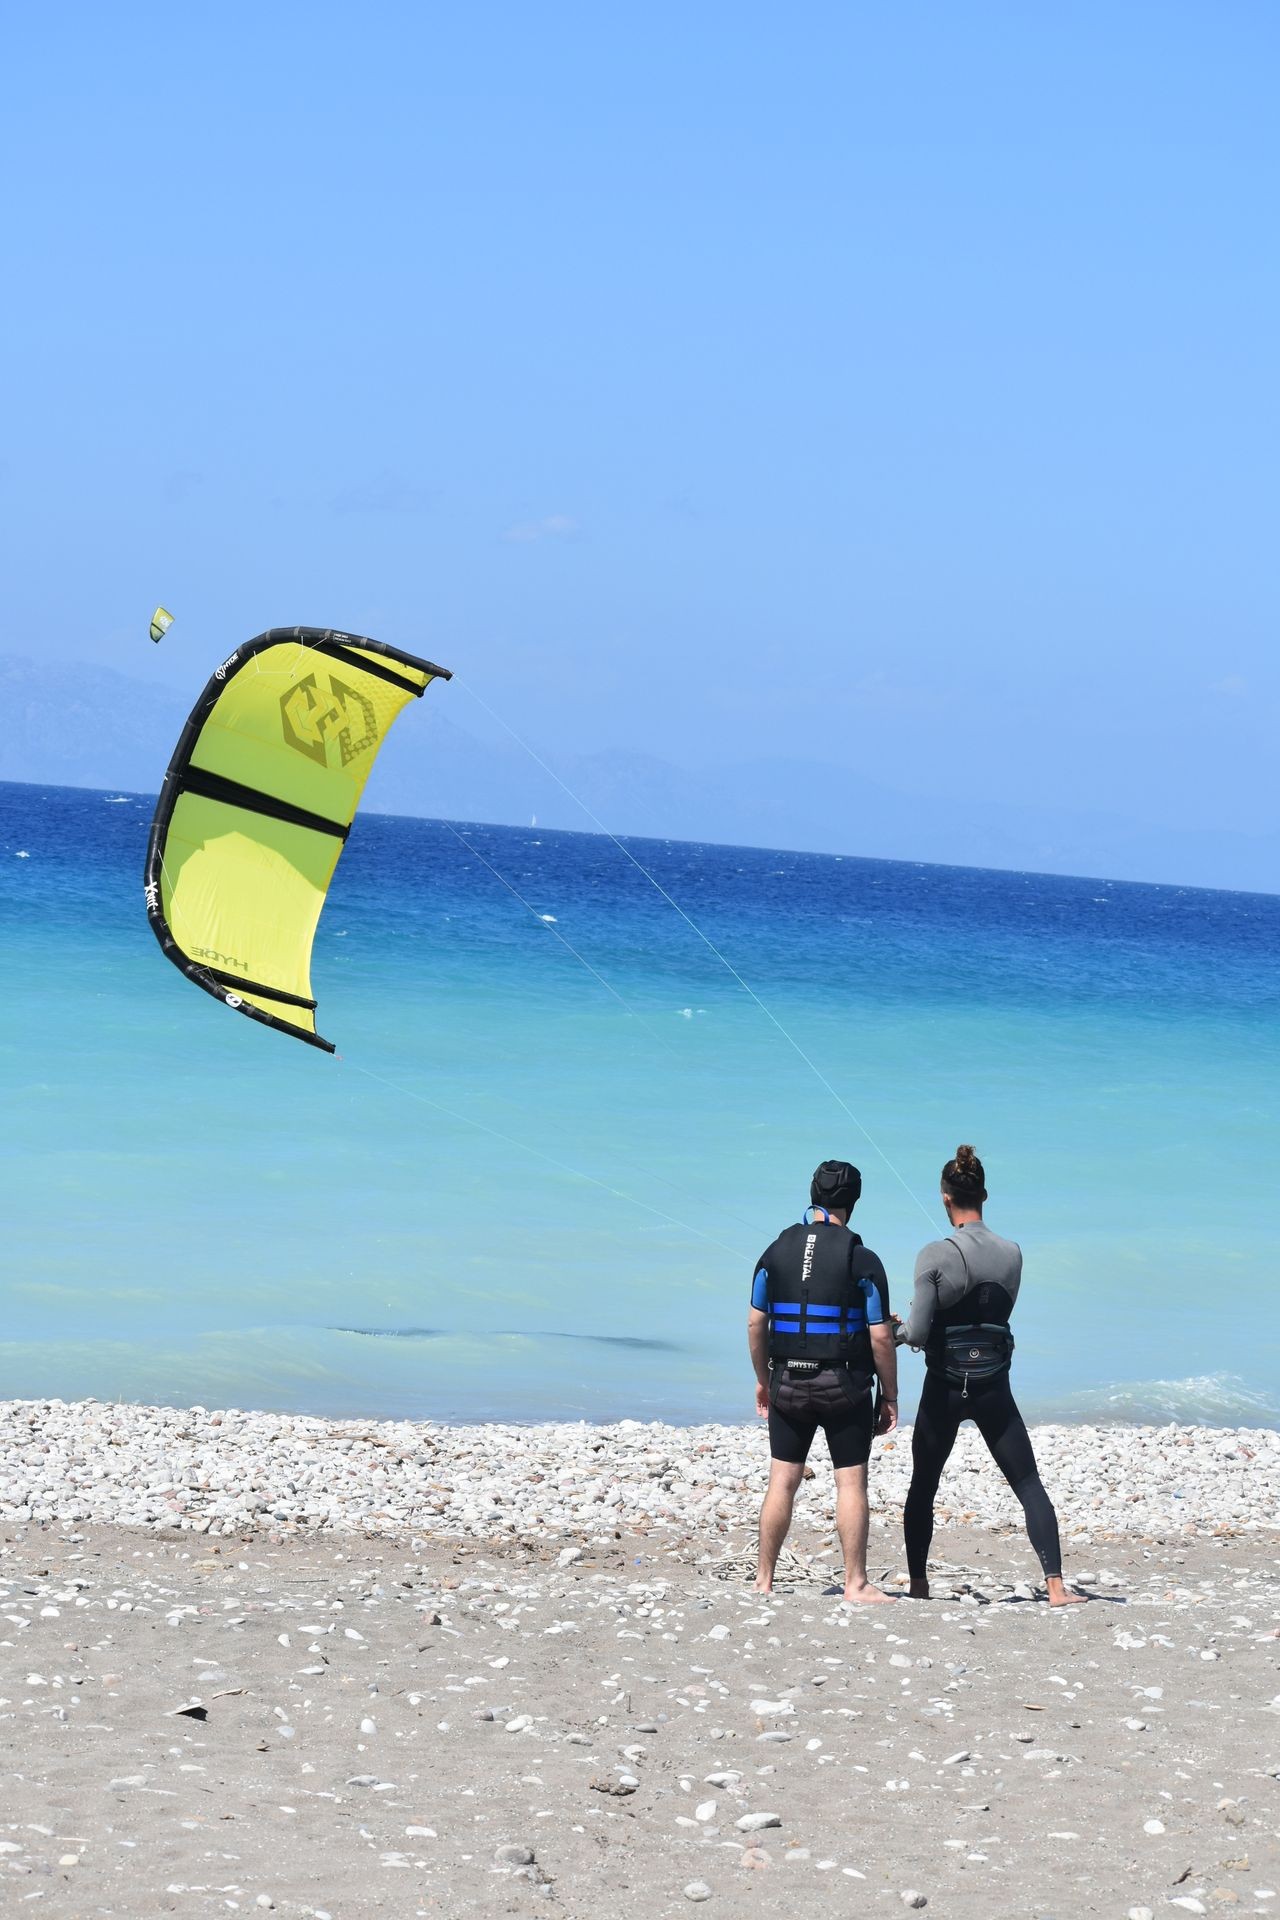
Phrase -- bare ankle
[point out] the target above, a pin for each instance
(1060, 1595)
(860, 1592)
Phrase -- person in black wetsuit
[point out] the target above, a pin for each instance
(818, 1330)
(965, 1289)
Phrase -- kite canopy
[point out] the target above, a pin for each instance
(256, 806)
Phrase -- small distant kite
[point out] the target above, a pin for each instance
(256, 807)
(160, 623)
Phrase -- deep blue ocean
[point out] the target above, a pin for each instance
(534, 1185)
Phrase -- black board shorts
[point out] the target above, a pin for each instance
(836, 1400)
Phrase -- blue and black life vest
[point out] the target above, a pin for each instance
(817, 1308)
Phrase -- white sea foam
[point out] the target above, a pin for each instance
(1207, 1399)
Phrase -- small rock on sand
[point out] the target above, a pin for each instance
(697, 1890)
(756, 1822)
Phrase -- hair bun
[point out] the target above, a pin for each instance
(965, 1177)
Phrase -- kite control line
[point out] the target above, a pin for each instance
(707, 942)
(561, 1166)
(543, 922)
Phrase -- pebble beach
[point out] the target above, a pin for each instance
(221, 1470)
(338, 1669)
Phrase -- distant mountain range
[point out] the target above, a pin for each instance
(73, 724)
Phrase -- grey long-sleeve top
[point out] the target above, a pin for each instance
(944, 1275)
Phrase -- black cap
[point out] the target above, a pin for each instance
(835, 1184)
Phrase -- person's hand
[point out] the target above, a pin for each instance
(887, 1418)
(762, 1399)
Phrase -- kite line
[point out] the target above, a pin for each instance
(707, 942)
(562, 1166)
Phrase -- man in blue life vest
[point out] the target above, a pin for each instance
(819, 1330)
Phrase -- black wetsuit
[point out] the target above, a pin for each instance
(971, 1278)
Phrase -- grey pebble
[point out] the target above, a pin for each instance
(697, 1890)
(910, 1898)
(756, 1822)
(514, 1855)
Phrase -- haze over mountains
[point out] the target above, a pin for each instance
(74, 724)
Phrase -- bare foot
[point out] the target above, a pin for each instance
(861, 1593)
(762, 1585)
(918, 1590)
(1062, 1596)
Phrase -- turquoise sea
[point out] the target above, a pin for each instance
(534, 1184)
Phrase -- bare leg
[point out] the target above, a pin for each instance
(852, 1521)
(775, 1517)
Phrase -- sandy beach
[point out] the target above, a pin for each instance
(479, 1682)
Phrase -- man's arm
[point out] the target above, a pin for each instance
(758, 1346)
(885, 1355)
(914, 1331)
(758, 1331)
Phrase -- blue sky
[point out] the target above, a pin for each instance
(894, 385)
